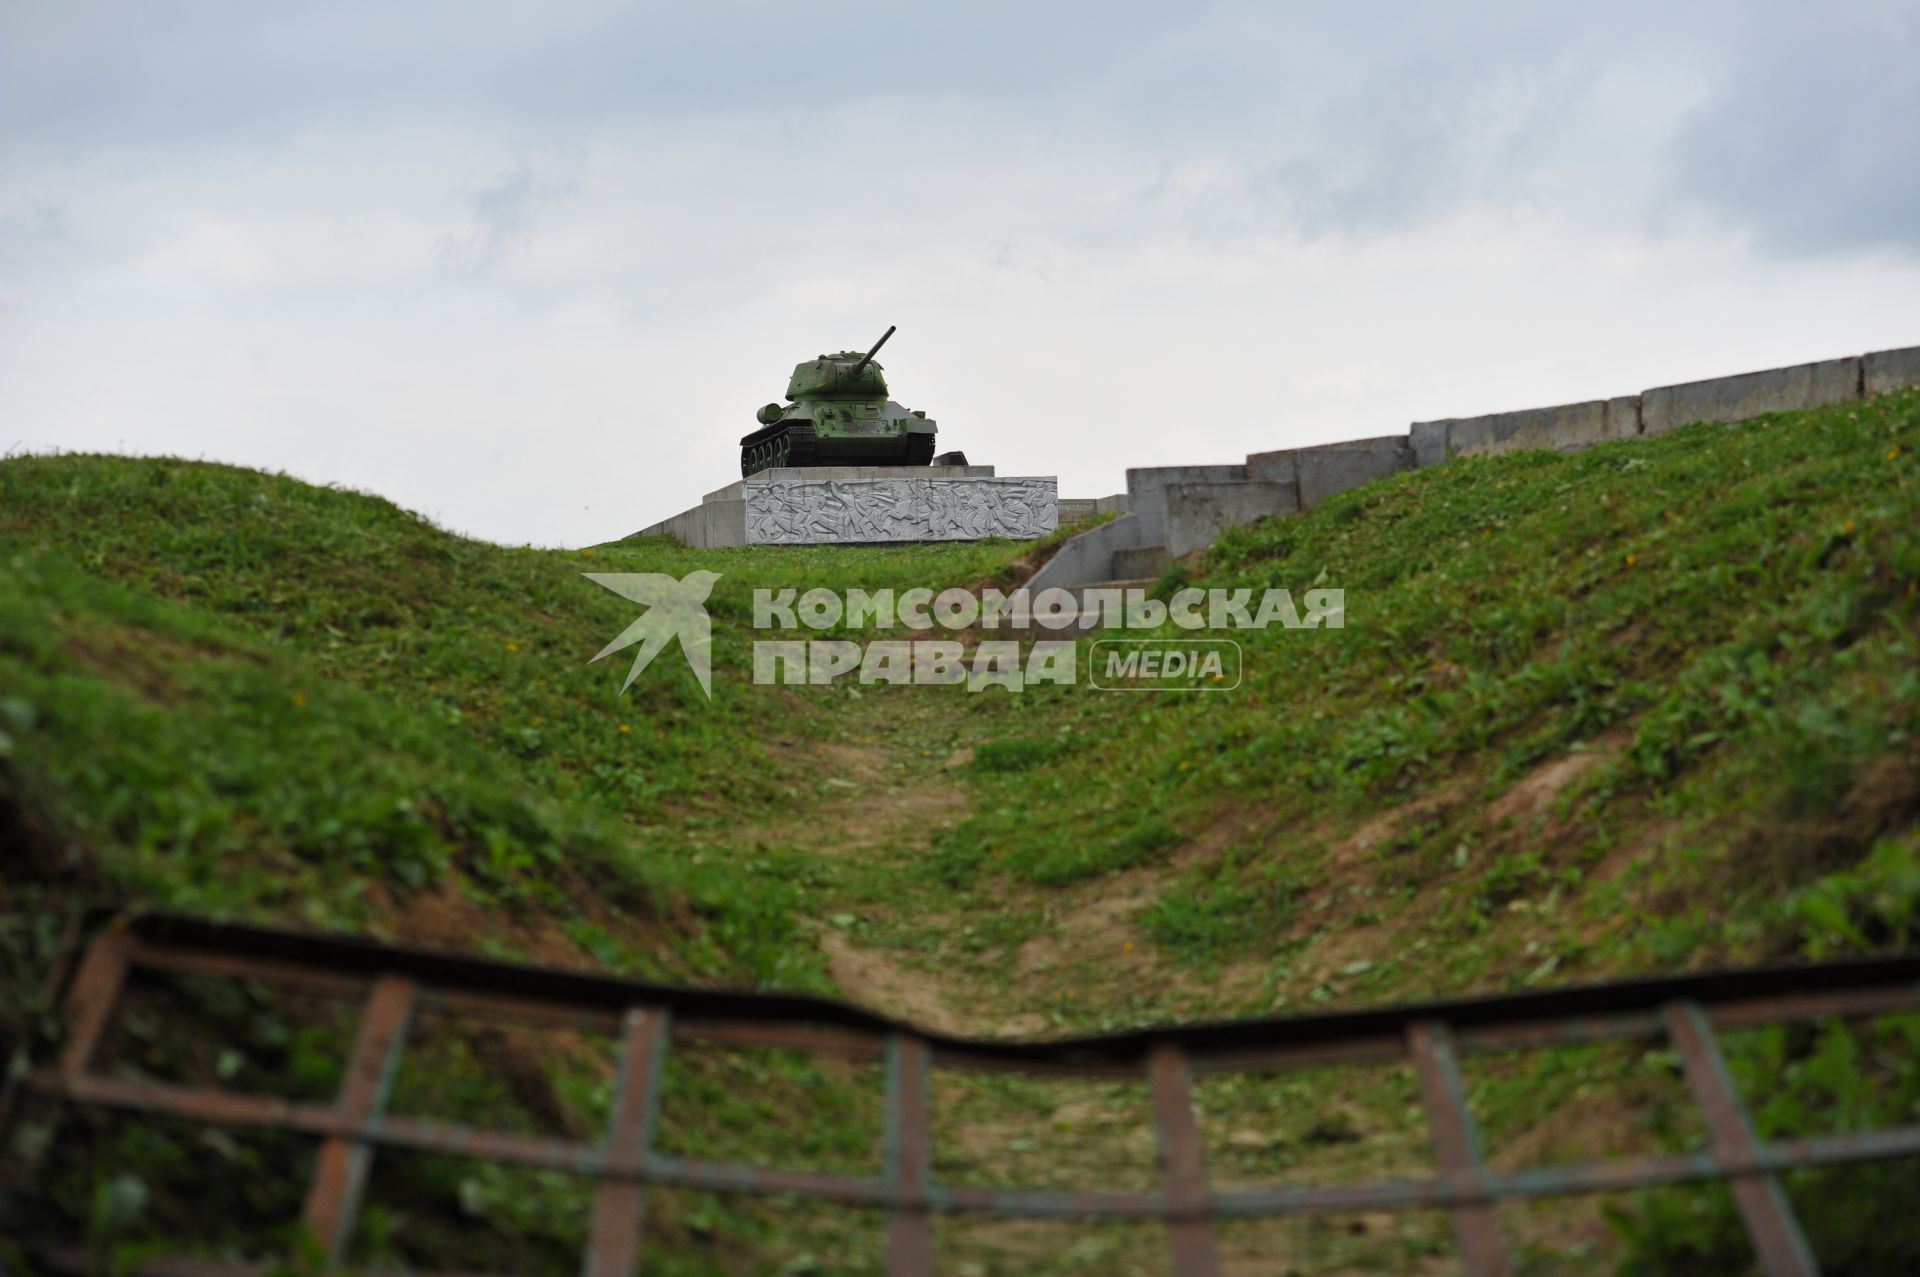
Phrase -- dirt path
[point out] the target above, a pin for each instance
(884, 805)
(1008, 960)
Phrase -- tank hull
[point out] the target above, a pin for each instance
(840, 435)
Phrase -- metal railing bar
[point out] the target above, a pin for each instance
(783, 1037)
(1190, 1236)
(1651, 1025)
(1456, 1147)
(617, 1228)
(1037, 1203)
(868, 1042)
(426, 1136)
(332, 1209)
(1374, 1048)
(397, 982)
(1838, 1003)
(293, 975)
(908, 1159)
(613, 1238)
(449, 972)
(1778, 1242)
(91, 999)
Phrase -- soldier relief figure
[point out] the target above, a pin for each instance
(810, 511)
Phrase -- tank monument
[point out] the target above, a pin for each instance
(843, 463)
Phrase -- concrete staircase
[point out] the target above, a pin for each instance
(1175, 510)
(1142, 562)
(1083, 593)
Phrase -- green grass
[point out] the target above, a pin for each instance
(237, 694)
(249, 696)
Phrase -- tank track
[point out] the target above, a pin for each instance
(791, 445)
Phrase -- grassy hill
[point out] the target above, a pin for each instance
(1649, 707)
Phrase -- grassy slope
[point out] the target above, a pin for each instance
(242, 694)
(1589, 714)
(1646, 707)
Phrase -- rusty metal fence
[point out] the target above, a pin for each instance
(395, 983)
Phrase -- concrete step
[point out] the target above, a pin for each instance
(1091, 621)
(1141, 561)
(1131, 583)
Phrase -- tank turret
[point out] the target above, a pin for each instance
(838, 414)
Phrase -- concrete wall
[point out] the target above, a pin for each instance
(1196, 512)
(1023, 507)
(1328, 468)
(1075, 509)
(1563, 428)
(1088, 557)
(1888, 370)
(1211, 497)
(1749, 394)
(709, 524)
(1080, 509)
(1570, 427)
(1147, 499)
(1139, 563)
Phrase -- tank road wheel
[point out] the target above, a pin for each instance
(753, 458)
(797, 445)
(793, 445)
(919, 450)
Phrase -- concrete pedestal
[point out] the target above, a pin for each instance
(862, 505)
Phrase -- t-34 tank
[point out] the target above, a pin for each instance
(838, 414)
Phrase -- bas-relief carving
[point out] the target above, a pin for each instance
(802, 512)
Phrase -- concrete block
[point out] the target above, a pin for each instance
(1750, 394)
(826, 505)
(1087, 558)
(1115, 504)
(920, 507)
(1197, 511)
(726, 523)
(707, 524)
(1076, 509)
(1139, 562)
(1428, 441)
(1322, 471)
(1274, 467)
(1160, 476)
(1560, 427)
(1623, 417)
(1887, 370)
(1146, 492)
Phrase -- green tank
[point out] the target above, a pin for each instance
(837, 414)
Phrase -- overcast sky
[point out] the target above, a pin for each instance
(529, 268)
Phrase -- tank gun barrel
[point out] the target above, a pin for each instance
(868, 357)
